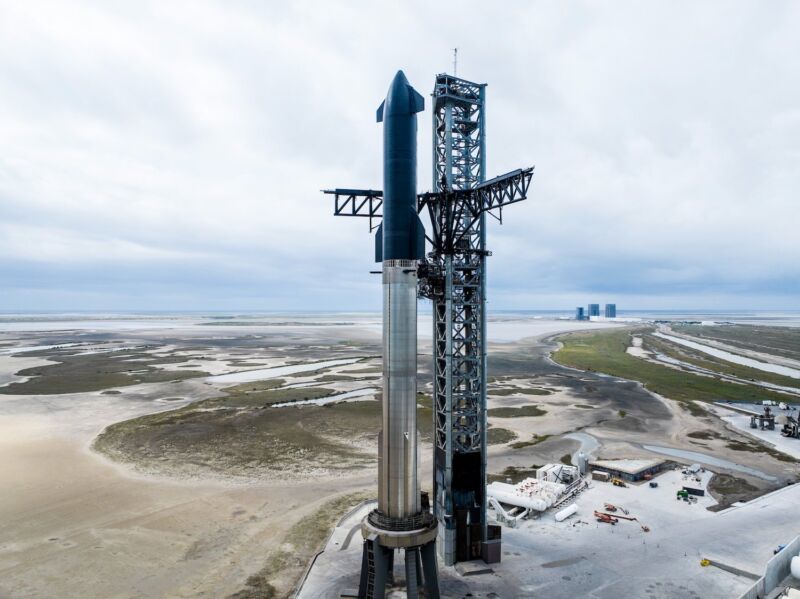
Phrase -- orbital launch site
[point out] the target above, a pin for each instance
(211, 385)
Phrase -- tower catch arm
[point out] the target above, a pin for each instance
(447, 208)
(358, 202)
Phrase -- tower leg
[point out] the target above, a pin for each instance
(374, 570)
(412, 591)
(429, 567)
(365, 570)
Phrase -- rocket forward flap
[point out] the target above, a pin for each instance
(379, 114)
(416, 103)
(419, 238)
(379, 243)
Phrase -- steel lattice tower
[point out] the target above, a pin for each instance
(459, 327)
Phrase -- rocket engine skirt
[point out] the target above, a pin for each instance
(398, 495)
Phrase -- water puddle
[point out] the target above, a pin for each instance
(587, 441)
(357, 395)
(260, 374)
(31, 348)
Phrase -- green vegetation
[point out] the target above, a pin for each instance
(334, 378)
(239, 434)
(622, 413)
(744, 444)
(566, 459)
(262, 399)
(505, 391)
(693, 408)
(583, 406)
(424, 400)
(245, 442)
(705, 435)
(756, 447)
(779, 341)
(499, 436)
(604, 351)
(522, 412)
(703, 360)
(95, 372)
(513, 474)
(370, 370)
(284, 567)
(255, 386)
(727, 490)
(535, 440)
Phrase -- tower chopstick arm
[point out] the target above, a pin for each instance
(366, 203)
(445, 208)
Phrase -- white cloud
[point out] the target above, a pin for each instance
(184, 145)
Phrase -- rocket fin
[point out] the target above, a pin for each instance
(379, 114)
(379, 240)
(419, 239)
(415, 100)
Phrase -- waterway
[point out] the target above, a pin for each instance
(357, 395)
(260, 374)
(735, 358)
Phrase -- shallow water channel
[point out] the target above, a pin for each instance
(356, 395)
(735, 358)
(259, 374)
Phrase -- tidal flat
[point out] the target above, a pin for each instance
(149, 446)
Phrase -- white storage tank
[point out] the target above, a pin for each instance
(795, 566)
(583, 463)
(566, 512)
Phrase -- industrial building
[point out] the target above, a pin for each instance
(630, 470)
(593, 312)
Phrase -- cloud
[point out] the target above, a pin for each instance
(170, 155)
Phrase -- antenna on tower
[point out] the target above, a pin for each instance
(455, 61)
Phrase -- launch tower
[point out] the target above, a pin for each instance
(453, 276)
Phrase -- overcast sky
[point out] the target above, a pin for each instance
(169, 155)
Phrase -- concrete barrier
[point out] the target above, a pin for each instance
(777, 569)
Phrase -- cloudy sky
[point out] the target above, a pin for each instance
(169, 155)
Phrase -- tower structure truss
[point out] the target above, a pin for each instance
(459, 320)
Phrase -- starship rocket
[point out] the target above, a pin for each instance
(399, 243)
(400, 521)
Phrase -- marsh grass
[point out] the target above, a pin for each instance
(605, 352)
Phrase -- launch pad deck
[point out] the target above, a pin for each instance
(545, 558)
